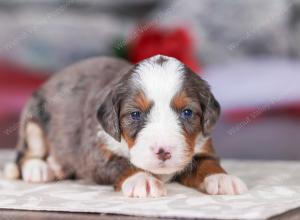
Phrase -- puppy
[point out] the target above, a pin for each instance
(136, 127)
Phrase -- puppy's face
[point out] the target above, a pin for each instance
(163, 111)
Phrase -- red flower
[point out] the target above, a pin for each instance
(175, 43)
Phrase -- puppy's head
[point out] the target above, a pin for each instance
(162, 111)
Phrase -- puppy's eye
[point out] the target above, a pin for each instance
(186, 114)
(136, 116)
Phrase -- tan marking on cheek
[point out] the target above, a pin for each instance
(107, 154)
(125, 133)
(130, 141)
(180, 101)
(142, 102)
(190, 140)
(207, 148)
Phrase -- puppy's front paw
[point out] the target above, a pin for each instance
(143, 185)
(37, 171)
(223, 184)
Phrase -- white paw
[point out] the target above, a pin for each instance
(11, 171)
(143, 185)
(223, 184)
(36, 171)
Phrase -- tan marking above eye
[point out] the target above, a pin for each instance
(180, 101)
(142, 102)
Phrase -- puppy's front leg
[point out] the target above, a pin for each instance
(206, 174)
(137, 183)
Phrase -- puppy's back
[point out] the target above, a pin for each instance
(65, 108)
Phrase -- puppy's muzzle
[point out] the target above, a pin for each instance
(163, 153)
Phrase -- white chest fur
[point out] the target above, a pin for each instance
(119, 148)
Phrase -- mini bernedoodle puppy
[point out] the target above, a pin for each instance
(136, 127)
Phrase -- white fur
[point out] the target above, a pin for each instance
(119, 148)
(200, 142)
(223, 184)
(165, 178)
(136, 186)
(35, 140)
(160, 84)
(36, 171)
(11, 171)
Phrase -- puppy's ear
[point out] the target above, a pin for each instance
(211, 113)
(210, 107)
(108, 115)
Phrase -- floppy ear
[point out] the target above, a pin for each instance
(211, 112)
(108, 115)
(109, 111)
(210, 107)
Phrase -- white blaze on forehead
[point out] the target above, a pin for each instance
(160, 82)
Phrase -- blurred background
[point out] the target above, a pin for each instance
(248, 50)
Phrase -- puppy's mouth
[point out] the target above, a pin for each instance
(160, 164)
(164, 168)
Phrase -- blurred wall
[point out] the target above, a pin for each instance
(40, 37)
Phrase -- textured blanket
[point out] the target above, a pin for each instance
(274, 189)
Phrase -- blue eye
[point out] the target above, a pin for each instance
(186, 114)
(136, 116)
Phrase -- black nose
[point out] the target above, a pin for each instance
(163, 155)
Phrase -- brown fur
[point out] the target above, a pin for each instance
(180, 101)
(126, 174)
(137, 102)
(202, 166)
(107, 154)
(129, 140)
(142, 102)
(66, 106)
(191, 128)
(207, 148)
(28, 153)
(190, 140)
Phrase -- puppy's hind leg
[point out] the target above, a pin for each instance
(34, 167)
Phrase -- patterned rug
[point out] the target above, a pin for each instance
(274, 189)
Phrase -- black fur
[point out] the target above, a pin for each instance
(108, 115)
(198, 89)
(40, 113)
(161, 60)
